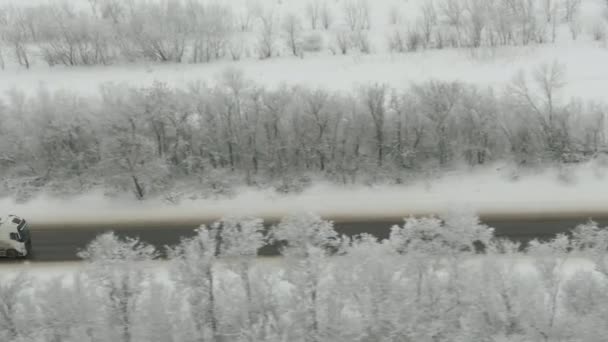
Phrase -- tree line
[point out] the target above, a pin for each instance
(157, 140)
(423, 283)
(191, 31)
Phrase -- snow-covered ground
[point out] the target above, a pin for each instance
(583, 59)
(586, 72)
(579, 190)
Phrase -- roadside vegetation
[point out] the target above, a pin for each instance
(424, 283)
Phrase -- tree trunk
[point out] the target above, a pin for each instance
(139, 189)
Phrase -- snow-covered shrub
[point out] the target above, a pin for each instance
(293, 184)
(312, 42)
(598, 32)
(267, 33)
(433, 236)
(292, 31)
(397, 41)
(414, 40)
(343, 41)
(327, 17)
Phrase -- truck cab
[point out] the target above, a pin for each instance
(15, 239)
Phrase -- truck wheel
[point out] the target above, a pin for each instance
(11, 254)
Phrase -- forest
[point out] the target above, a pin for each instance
(206, 139)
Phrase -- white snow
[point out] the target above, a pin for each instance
(581, 190)
(584, 60)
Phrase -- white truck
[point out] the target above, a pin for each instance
(15, 239)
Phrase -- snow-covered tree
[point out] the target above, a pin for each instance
(549, 260)
(306, 241)
(13, 301)
(192, 269)
(117, 266)
(70, 309)
(292, 29)
(240, 241)
(267, 33)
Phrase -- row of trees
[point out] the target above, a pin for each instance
(421, 284)
(150, 140)
(476, 23)
(195, 32)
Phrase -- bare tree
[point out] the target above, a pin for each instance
(211, 26)
(553, 19)
(525, 14)
(374, 98)
(245, 16)
(477, 19)
(438, 102)
(267, 34)
(316, 105)
(313, 11)
(292, 29)
(552, 120)
(343, 39)
(572, 8)
(326, 16)
(575, 28)
(159, 32)
(361, 40)
(548, 9)
(427, 22)
(351, 16)
(394, 15)
(72, 38)
(17, 35)
(4, 22)
(357, 14)
(397, 41)
(114, 10)
(453, 11)
(2, 63)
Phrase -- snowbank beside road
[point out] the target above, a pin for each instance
(581, 190)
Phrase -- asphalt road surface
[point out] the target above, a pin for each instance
(61, 242)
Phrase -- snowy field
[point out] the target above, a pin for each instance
(583, 59)
(586, 72)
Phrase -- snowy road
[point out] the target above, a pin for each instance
(61, 242)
